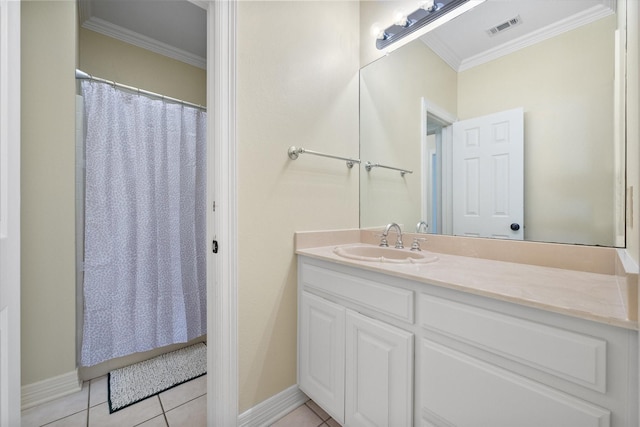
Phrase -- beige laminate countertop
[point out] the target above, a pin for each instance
(586, 295)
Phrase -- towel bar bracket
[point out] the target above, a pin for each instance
(294, 153)
(368, 166)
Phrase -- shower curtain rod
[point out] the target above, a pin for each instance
(81, 75)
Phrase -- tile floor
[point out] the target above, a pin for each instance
(307, 415)
(185, 405)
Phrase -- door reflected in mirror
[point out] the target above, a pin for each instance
(568, 85)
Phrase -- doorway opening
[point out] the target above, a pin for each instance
(436, 175)
(125, 51)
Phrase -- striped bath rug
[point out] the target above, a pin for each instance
(139, 381)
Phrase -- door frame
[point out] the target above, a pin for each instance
(222, 382)
(429, 108)
(10, 394)
(222, 209)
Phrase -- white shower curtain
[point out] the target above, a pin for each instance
(144, 279)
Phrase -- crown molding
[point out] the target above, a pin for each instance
(117, 32)
(606, 8)
(436, 44)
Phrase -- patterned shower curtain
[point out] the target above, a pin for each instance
(144, 278)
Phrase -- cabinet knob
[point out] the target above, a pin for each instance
(515, 226)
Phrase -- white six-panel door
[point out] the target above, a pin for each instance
(488, 176)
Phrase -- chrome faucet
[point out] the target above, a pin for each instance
(383, 240)
(422, 226)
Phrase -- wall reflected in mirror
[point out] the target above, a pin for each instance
(570, 90)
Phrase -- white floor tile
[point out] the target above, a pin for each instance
(76, 420)
(301, 417)
(332, 423)
(128, 417)
(98, 391)
(158, 421)
(185, 405)
(57, 409)
(192, 414)
(183, 393)
(318, 410)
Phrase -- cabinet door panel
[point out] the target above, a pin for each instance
(379, 377)
(467, 392)
(321, 353)
(377, 296)
(575, 357)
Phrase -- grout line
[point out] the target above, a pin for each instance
(315, 412)
(164, 414)
(61, 418)
(155, 416)
(71, 414)
(184, 403)
(88, 402)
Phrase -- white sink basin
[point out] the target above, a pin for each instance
(370, 253)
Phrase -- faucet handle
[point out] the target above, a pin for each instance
(415, 246)
(399, 244)
(383, 240)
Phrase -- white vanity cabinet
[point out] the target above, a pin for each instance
(357, 368)
(379, 350)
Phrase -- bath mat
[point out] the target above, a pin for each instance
(139, 381)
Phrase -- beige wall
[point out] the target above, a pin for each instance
(568, 129)
(124, 63)
(297, 85)
(48, 189)
(391, 92)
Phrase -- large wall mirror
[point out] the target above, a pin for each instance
(547, 75)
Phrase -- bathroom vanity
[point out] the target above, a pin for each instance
(465, 342)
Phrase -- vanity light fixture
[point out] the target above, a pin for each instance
(430, 15)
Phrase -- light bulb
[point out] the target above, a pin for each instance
(429, 5)
(400, 18)
(403, 22)
(377, 32)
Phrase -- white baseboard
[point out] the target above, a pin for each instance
(272, 409)
(50, 389)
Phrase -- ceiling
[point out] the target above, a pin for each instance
(464, 41)
(174, 28)
(178, 28)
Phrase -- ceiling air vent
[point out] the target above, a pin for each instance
(504, 26)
